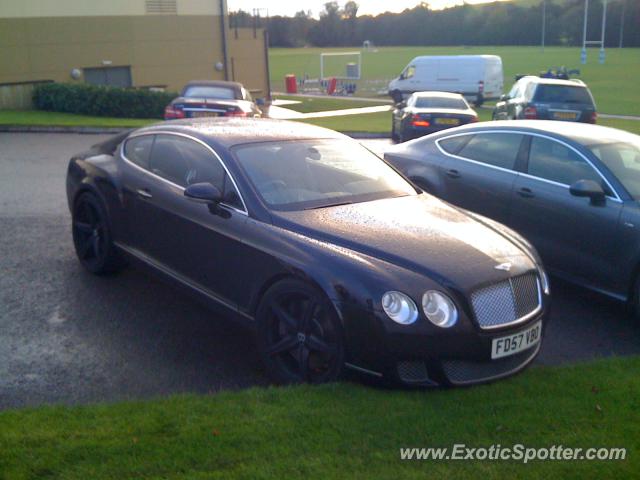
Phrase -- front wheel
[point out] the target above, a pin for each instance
(634, 301)
(300, 335)
(92, 236)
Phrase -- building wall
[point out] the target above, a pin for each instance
(165, 42)
(161, 49)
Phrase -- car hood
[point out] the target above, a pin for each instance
(419, 233)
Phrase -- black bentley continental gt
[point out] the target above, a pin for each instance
(333, 256)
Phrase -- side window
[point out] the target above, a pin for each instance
(553, 161)
(409, 72)
(453, 145)
(496, 149)
(513, 93)
(137, 150)
(184, 162)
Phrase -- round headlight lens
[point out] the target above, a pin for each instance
(439, 309)
(399, 307)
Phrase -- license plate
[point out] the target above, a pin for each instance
(512, 344)
(447, 121)
(564, 115)
(204, 114)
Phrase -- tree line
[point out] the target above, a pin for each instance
(499, 23)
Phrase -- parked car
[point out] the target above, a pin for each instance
(332, 256)
(210, 98)
(571, 189)
(477, 77)
(536, 98)
(428, 112)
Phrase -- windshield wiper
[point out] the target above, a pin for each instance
(337, 204)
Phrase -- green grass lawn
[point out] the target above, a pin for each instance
(336, 431)
(42, 118)
(614, 84)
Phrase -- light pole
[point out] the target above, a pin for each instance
(544, 21)
(624, 4)
(604, 26)
(583, 53)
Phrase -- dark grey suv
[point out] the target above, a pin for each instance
(572, 190)
(536, 98)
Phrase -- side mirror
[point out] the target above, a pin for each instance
(588, 188)
(504, 98)
(204, 193)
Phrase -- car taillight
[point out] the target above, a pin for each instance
(171, 113)
(473, 119)
(593, 118)
(418, 121)
(530, 112)
(480, 86)
(236, 113)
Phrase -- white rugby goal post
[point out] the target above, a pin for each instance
(340, 65)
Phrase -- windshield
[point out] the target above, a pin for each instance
(623, 160)
(207, 91)
(299, 175)
(562, 94)
(441, 102)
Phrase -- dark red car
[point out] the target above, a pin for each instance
(211, 98)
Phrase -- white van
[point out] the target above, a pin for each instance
(476, 77)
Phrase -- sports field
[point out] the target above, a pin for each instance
(614, 85)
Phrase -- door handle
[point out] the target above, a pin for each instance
(526, 192)
(144, 193)
(453, 173)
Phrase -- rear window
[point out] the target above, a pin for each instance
(207, 91)
(441, 102)
(562, 94)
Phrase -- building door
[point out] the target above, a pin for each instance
(112, 76)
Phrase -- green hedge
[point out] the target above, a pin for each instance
(101, 101)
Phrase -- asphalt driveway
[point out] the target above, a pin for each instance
(66, 336)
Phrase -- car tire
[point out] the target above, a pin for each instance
(300, 335)
(634, 301)
(394, 135)
(92, 236)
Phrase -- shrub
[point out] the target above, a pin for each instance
(101, 101)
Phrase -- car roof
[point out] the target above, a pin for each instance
(437, 94)
(554, 81)
(227, 132)
(583, 133)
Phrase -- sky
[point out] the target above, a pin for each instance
(367, 7)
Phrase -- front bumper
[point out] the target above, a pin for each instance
(424, 355)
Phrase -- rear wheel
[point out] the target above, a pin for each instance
(300, 334)
(92, 236)
(394, 135)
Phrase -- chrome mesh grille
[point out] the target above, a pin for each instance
(412, 371)
(507, 301)
(462, 371)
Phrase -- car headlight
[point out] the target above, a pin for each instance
(544, 281)
(399, 307)
(439, 309)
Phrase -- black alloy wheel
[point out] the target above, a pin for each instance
(92, 237)
(300, 334)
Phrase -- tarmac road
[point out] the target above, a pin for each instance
(69, 337)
